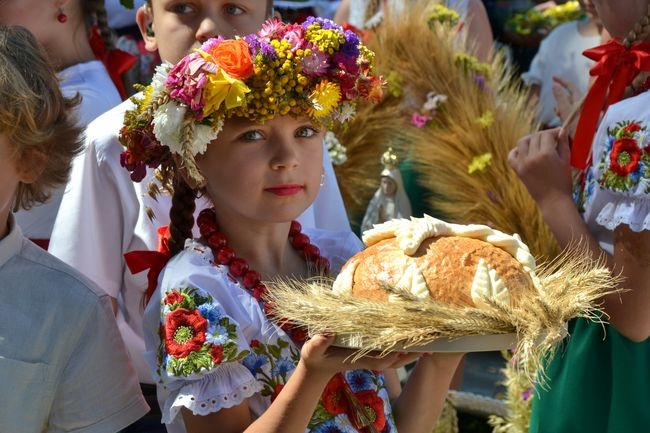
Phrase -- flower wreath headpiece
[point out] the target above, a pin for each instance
(314, 68)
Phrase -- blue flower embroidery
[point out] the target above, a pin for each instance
(255, 362)
(282, 367)
(359, 380)
(328, 426)
(210, 312)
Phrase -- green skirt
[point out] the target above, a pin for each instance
(598, 381)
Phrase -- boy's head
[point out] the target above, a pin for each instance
(175, 28)
(38, 129)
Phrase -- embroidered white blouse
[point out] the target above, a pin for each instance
(238, 354)
(617, 183)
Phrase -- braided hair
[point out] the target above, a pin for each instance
(94, 12)
(181, 215)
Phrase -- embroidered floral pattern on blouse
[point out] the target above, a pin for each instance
(195, 334)
(626, 160)
(351, 402)
(270, 364)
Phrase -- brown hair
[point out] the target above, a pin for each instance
(181, 215)
(38, 121)
(94, 12)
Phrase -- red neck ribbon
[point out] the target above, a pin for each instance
(116, 62)
(155, 261)
(615, 68)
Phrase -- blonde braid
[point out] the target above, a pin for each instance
(639, 32)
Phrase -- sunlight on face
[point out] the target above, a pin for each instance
(180, 26)
(264, 172)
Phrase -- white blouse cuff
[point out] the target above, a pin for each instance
(634, 212)
(226, 386)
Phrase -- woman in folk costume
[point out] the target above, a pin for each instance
(599, 381)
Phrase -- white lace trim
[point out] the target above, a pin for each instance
(634, 213)
(225, 387)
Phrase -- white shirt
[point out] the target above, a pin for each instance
(104, 215)
(63, 366)
(235, 380)
(120, 16)
(560, 54)
(98, 95)
(609, 199)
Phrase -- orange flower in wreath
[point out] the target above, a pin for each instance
(233, 56)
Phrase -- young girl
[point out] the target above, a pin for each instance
(103, 206)
(240, 123)
(64, 33)
(599, 382)
(58, 374)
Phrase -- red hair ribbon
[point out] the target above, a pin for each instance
(155, 261)
(616, 67)
(116, 62)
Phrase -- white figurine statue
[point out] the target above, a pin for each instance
(390, 200)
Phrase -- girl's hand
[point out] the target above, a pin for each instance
(320, 357)
(541, 161)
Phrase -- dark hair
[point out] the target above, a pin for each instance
(181, 215)
(94, 12)
(34, 116)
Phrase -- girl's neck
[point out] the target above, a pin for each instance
(79, 53)
(265, 246)
(589, 28)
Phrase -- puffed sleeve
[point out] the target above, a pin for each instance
(194, 334)
(622, 175)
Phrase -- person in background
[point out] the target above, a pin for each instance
(64, 32)
(598, 382)
(57, 374)
(559, 71)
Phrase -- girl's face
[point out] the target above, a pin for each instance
(39, 17)
(180, 25)
(619, 16)
(266, 173)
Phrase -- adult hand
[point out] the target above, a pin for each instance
(541, 161)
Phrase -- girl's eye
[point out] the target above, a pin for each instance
(306, 131)
(232, 9)
(182, 8)
(252, 135)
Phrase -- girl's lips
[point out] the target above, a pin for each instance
(285, 190)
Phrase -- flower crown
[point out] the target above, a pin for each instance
(314, 68)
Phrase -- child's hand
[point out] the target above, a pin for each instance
(319, 356)
(541, 161)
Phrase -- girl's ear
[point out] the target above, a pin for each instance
(144, 19)
(31, 166)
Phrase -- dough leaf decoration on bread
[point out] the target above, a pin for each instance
(428, 256)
